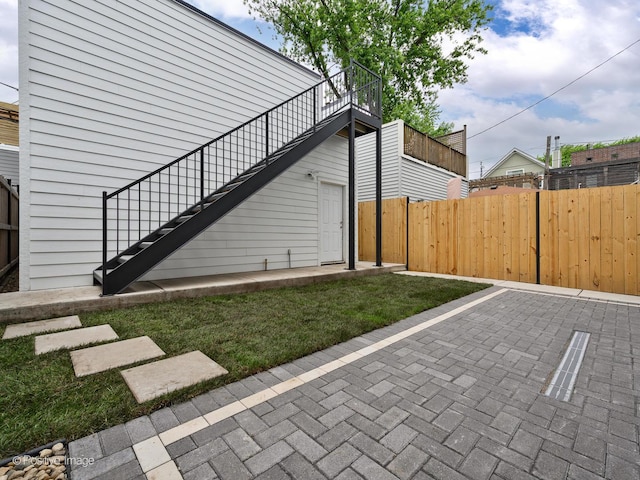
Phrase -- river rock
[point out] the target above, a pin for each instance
(30, 474)
(47, 452)
(58, 448)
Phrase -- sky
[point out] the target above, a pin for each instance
(535, 47)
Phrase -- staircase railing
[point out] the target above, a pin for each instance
(141, 207)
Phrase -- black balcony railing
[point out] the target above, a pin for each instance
(145, 205)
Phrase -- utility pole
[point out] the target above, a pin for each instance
(546, 163)
(481, 169)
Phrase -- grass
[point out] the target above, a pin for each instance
(41, 400)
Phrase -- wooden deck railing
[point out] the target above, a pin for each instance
(423, 147)
(9, 209)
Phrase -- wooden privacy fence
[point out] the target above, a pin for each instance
(8, 226)
(586, 238)
(394, 230)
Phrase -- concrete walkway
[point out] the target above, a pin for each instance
(36, 305)
(451, 393)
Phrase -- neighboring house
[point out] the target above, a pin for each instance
(599, 167)
(516, 169)
(111, 91)
(613, 153)
(9, 151)
(414, 165)
(602, 174)
(9, 121)
(9, 159)
(498, 190)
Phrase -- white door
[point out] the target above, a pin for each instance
(331, 227)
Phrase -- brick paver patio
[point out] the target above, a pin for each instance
(459, 399)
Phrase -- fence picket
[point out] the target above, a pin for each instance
(630, 241)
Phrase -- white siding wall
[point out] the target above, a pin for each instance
(366, 163)
(281, 216)
(9, 163)
(422, 181)
(111, 90)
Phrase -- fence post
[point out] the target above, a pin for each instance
(538, 238)
(9, 224)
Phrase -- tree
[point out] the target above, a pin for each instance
(417, 46)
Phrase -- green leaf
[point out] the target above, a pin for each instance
(417, 47)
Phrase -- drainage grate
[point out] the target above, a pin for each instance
(561, 386)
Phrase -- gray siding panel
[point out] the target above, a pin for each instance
(110, 91)
(366, 164)
(9, 165)
(421, 181)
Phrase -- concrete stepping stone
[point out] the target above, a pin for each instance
(74, 338)
(154, 379)
(117, 354)
(51, 325)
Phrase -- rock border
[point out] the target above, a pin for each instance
(47, 462)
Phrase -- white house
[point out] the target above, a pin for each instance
(111, 91)
(408, 171)
(516, 162)
(9, 157)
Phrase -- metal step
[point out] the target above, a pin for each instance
(199, 208)
(215, 196)
(123, 259)
(183, 218)
(230, 186)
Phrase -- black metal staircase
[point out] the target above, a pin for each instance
(147, 220)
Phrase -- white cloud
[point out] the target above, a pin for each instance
(9, 49)
(225, 10)
(551, 44)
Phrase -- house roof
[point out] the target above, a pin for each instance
(514, 151)
(9, 116)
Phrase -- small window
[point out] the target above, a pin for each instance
(589, 159)
(614, 156)
(517, 171)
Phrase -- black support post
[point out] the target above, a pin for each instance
(352, 191)
(379, 197)
(407, 233)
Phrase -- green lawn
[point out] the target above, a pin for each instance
(41, 400)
